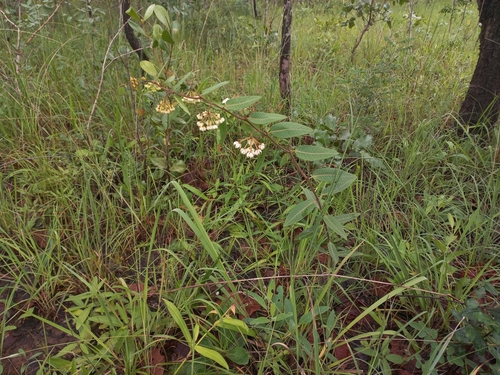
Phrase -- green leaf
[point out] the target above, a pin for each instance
(214, 87)
(340, 179)
(298, 212)
(165, 35)
(242, 102)
(149, 12)
(314, 153)
(177, 316)
(308, 316)
(179, 101)
(394, 358)
(159, 163)
(133, 14)
(238, 355)
(345, 218)
(262, 118)
(149, 68)
(162, 15)
(259, 320)
(236, 325)
(137, 28)
(211, 354)
(332, 223)
(289, 130)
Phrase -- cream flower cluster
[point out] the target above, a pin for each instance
(151, 87)
(252, 147)
(209, 120)
(165, 107)
(191, 97)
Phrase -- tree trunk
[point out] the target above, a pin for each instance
(129, 32)
(286, 42)
(482, 103)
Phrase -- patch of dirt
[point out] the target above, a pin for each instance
(24, 348)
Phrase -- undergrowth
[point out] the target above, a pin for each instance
(159, 248)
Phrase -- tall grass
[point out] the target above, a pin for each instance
(97, 231)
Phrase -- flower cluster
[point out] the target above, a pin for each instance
(252, 147)
(209, 120)
(151, 87)
(191, 97)
(165, 107)
(134, 83)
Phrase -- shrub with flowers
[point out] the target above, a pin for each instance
(178, 101)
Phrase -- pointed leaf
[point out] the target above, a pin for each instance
(298, 212)
(262, 118)
(340, 179)
(345, 218)
(332, 223)
(289, 130)
(214, 87)
(242, 102)
(148, 67)
(236, 325)
(162, 15)
(149, 12)
(211, 354)
(314, 153)
(238, 355)
(165, 35)
(133, 14)
(177, 316)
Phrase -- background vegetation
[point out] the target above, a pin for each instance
(183, 263)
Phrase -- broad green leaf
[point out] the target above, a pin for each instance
(157, 31)
(160, 163)
(236, 325)
(242, 102)
(345, 218)
(314, 153)
(177, 316)
(138, 30)
(214, 87)
(298, 212)
(148, 67)
(149, 12)
(340, 179)
(332, 223)
(162, 15)
(289, 130)
(211, 354)
(260, 320)
(238, 355)
(165, 35)
(311, 197)
(133, 14)
(262, 118)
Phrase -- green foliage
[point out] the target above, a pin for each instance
(350, 241)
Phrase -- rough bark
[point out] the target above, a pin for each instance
(129, 32)
(482, 102)
(286, 42)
